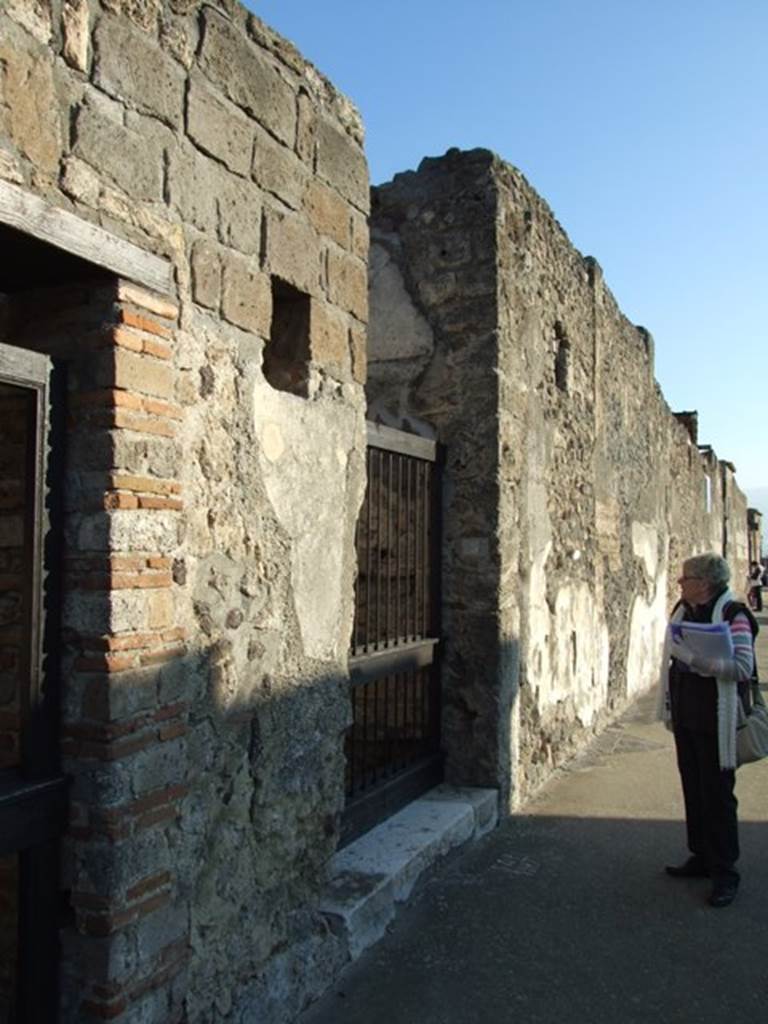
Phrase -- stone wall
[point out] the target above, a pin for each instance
(214, 472)
(571, 490)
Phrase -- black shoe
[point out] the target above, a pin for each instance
(723, 892)
(693, 868)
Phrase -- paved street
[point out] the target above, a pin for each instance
(564, 915)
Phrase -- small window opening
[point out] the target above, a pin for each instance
(286, 358)
(708, 493)
(562, 358)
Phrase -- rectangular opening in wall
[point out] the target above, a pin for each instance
(708, 493)
(286, 358)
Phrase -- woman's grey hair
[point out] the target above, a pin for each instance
(709, 567)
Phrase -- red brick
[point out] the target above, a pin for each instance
(115, 500)
(157, 408)
(173, 731)
(144, 323)
(105, 663)
(157, 349)
(106, 1011)
(168, 654)
(141, 424)
(148, 884)
(140, 581)
(169, 504)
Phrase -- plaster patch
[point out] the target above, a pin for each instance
(645, 541)
(307, 485)
(581, 653)
(396, 328)
(272, 442)
(646, 638)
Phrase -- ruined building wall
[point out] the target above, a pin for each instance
(432, 363)
(214, 472)
(601, 490)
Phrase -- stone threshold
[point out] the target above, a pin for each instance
(378, 871)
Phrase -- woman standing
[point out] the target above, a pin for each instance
(701, 706)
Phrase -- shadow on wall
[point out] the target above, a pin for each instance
(232, 807)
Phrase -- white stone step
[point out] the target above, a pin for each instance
(380, 869)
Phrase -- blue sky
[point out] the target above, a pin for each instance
(644, 125)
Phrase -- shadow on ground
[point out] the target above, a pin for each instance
(564, 913)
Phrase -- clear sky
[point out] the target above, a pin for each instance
(643, 124)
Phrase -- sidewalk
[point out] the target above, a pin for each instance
(564, 913)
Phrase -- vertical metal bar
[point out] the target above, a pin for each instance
(408, 632)
(425, 544)
(368, 554)
(400, 625)
(380, 510)
(390, 458)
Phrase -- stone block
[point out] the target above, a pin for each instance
(239, 214)
(359, 907)
(193, 185)
(246, 298)
(306, 128)
(293, 251)
(278, 170)
(150, 530)
(348, 283)
(30, 103)
(75, 29)
(205, 262)
(341, 163)
(162, 765)
(130, 66)
(114, 697)
(358, 346)
(218, 128)
(329, 337)
(361, 236)
(247, 77)
(34, 15)
(131, 161)
(150, 456)
(134, 372)
(328, 213)
(79, 181)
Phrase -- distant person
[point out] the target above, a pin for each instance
(755, 586)
(701, 706)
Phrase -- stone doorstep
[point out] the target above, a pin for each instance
(380, 869)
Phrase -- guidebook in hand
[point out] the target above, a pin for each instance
(705, 639)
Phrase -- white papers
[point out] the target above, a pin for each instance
(705, 639)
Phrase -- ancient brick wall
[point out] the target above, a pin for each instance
(214, 470)
(572, 492)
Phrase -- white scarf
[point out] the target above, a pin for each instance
(727, 692)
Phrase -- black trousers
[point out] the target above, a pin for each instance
(710, 802)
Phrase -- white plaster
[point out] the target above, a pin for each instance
(307, 485)
(646, 637)
(272, 441)
(396, 328)
(573, 664)
(645, 543)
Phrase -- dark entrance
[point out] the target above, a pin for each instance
(393, 746)
(32, 790)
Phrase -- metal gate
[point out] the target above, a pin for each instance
(393, 746)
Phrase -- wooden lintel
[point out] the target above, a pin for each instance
(34, 216)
